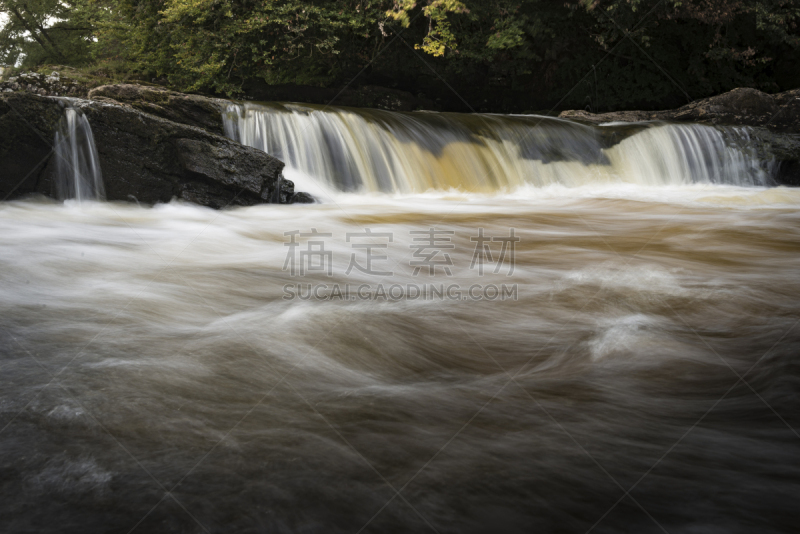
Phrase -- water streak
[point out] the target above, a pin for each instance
(156, 343)
(78, 174)
(372, 150)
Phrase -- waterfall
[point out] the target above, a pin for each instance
(78, 172)
(373, 150)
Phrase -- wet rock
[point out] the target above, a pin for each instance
(210, 195)
(783, 150)
(788, 173)
(27, 126)
(193, 110)
(154, 159)
(301, 198)
(286, 192)
(740, 107)
(774, 120)
(229, 164)
(143, 158)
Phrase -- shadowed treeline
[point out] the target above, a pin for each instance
(505, 56)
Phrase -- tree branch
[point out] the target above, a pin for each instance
(46, 36)
(27, 26)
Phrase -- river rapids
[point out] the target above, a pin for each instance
(559, 354)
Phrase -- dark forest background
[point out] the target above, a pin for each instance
(503, 55)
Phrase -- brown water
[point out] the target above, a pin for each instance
(643, 377)
(353, 149)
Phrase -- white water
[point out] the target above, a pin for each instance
(371, 151)
(155, 378)
(156, 341)
(78, 174)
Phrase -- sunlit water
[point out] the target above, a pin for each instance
(155, 379)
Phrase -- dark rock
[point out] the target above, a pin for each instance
(286, 191)
(201, 112)
(774, 120)
(143, 158)
(788, 173)
(153, 159)
(193, 110)
(288, 195)
(614, 116)
(740, 107)
(211, 195)
(27, 126)
(301, 198)
(227, 165)
(783, 149)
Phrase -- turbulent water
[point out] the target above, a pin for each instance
(372, 150)
(630, 366)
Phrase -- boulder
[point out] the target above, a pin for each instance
(740, 107)
(193, 110)
(300, 198)
(27, 127)
(153, 159)
(782, 149)
(143, 157)
(773, 119)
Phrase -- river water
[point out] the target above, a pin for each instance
(629, 362)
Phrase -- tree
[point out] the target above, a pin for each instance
(46, 31)
(504, 55)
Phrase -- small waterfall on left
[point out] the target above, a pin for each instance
(78, 172)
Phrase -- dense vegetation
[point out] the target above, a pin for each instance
(503, 55)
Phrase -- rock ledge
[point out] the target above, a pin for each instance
(143, 157)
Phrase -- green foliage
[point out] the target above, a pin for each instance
(440, 36)
(49, 31)
(504, 54)
(218, 44)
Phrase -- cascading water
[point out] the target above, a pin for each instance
(370, 150)
(78, 174)
(598, 359)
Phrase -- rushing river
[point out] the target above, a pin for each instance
(622, 357)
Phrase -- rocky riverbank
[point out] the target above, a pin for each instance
(144, 157)
(773, 119)
(63, 81)
(740, 107)
(155, 144)
(191, 110)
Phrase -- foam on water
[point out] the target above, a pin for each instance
(169, 331)
(152, 349)
(372, 150)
